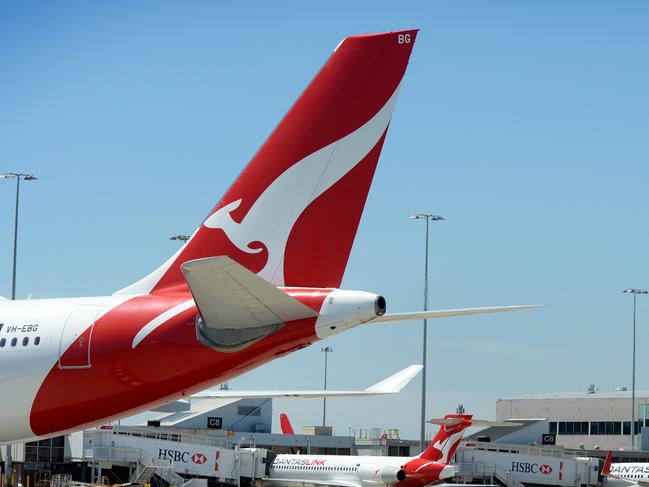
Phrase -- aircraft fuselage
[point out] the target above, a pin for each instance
(77, 362)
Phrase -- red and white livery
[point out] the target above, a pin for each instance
(257, 280)
(363, 471)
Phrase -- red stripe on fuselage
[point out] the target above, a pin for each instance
(169, 361)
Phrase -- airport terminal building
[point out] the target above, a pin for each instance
(591, 419)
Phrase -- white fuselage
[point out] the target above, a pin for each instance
(331, 469)
(31, 339)
(635, 472)
(356, 471)
(72, 363)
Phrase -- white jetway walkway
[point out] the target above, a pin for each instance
(168, 453)
(517, 465)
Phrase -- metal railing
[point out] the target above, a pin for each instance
(171, 435)
(171, 477)
(377, 434)
(487, 471)
(115, 453)
(506, 477)
(141, 458)
(531, 450)
(128, 455)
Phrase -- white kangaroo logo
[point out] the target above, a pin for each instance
(444, 445)
(272, 217)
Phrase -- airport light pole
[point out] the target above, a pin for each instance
(18, 177)
(422, 436)
(182, 238)
(327, 350)
(635, 293)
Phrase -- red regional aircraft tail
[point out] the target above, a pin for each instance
(292, 214)
(448, 438)
(606, 470)
(450, 433)
(287, 428)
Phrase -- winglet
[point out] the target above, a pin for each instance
(396, 382)
(606, 470)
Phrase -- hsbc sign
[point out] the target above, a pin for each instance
(534, 468)
(185, 458)
(174, 455)
(181, 456)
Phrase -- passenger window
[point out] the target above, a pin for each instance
(37, 341)
(14, 340)
(25, 341)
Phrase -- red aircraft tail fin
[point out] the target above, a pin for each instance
(292, 214)
(606, 470)
(447, 439)
(287, 428)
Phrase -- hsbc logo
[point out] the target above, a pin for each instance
(545, 469)
(533, 468)
(199, 458)
(181, 456)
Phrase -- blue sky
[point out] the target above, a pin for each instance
(524, 123)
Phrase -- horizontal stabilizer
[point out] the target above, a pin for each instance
(391, 385)
(474, 422)
(446, 313)
(229, 296)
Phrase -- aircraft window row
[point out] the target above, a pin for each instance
(316, 467)
(14, 341)
(595, 427)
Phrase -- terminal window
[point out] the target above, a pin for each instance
(583, 428)
(573, 428)
(248, 411)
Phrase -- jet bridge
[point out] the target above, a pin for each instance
(171, 454)
(520, 465)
